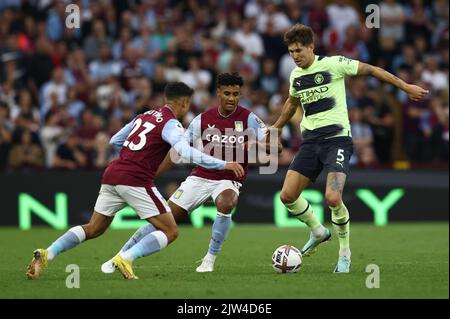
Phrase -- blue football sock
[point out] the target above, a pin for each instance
(149, 244)
(220, 230)
(137, 236)
(70, 239)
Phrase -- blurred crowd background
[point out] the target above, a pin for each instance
(64, 92)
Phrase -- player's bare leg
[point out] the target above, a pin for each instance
(178, 214)
(73, 237)
(340, 218)
(165, 232)
(225, 203)
(290, 195)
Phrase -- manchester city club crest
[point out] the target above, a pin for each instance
(318, 78)
(238, 126)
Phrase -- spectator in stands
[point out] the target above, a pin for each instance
(341, 15)
(172, 72)
(416, 139)
(103, 68)
(70, 155)
(362, 139)
(66, 71)
(392, 16)
(26, 153)
(78, 71)
(353, 47)
(440, 133)
(55, 88)
(380, 117)
(406, 60)
(74, 105)
(91, 125)
(96, 40)
(121, 43)
(162, 36)
(103, 151)
(25, 115)
(40, 64)
(6, 128)
(392, 29)
(268, 81)
(272, 14)
(433, 76)
(418, 20)
(249, 40)
(52, 134)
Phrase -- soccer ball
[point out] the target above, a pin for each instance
(286, 258)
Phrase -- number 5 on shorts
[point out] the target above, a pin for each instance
(340, 157)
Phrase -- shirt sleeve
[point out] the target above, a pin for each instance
(344, 66)
(193, 132)
(119, 138)
(173, 133)
(291, 87)
(257, 126)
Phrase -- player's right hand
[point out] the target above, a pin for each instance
(277, 131)
(237, 169)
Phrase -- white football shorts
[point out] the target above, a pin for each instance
(146, 201)
(195, 190)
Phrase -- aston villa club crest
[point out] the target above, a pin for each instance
(178, 193)
(238, 126)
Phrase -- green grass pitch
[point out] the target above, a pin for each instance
(412, 258)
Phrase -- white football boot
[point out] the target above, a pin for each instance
(108, 267)
(207, 264)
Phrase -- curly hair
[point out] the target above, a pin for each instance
(225, 79)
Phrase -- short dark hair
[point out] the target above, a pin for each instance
(225, 79)
(176, 90)
(299, 33)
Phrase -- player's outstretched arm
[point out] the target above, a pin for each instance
(289, 108)
(119, 138)
(414, 92)
(167, 163)
(173, 133)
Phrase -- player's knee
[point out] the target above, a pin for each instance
(225, 207)
(288, 197)
(90, 231)
(172, 234)
(333, 199)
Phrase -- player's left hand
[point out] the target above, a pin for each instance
(236, 168)
(415, 92)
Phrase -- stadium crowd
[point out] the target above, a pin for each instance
(64, 92)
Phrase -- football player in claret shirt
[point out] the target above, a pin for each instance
(228, 126)
(129, 181)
